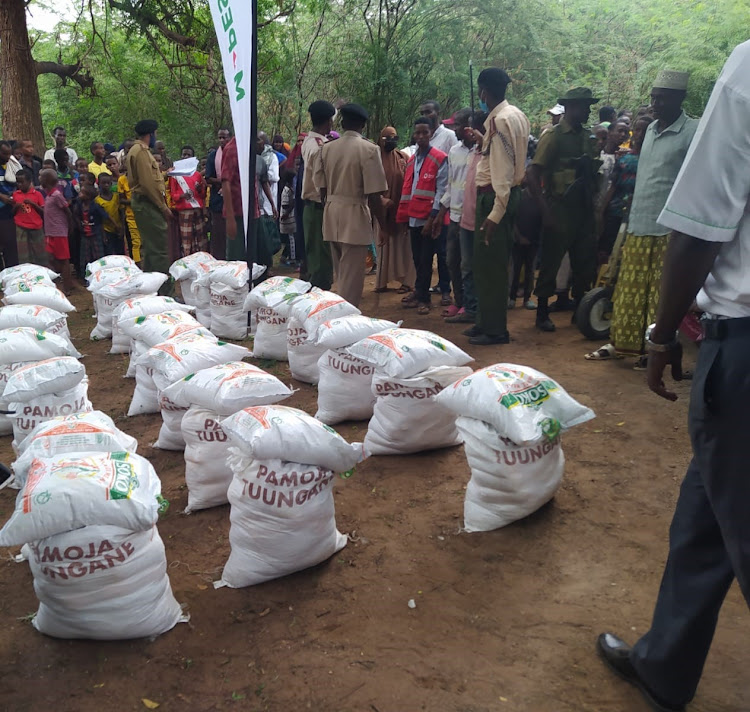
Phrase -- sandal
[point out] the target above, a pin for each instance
(403, 289)
(605, 353)
(452, 310)
(423, 309)
(409, 296)
(446, 301)
(411, 303)
(380, 290)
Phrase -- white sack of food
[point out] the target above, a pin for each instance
(207, 471)
(282, 520)
(277, 431)
(274, 291)
(139, 306)
(41, 295)
(200, 293)
(103, 583)
(170, 433)
(405, 418)
(6, 421)
(35, 316)
(347, 330)
(508, 481)
(227, 388)
(51, 375)
(270, 340)
(344, 388)
(66, 492)
(145, 395)
(27, 282)
(153, 329)
(402, 353)
(523, 404)
(81, 432)
(176, 358)
(158, 334)
(24, 344)
(315, 308)
(303, 355)
(28, 414)
(109, 262)
(109, 275)
(185, 271)
(228, 317)
(27, 268)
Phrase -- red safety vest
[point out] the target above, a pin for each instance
(188, 192)
(419, 205)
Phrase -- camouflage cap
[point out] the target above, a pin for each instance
(578, 94)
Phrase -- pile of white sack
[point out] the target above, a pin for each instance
(510, 419)
(32, 285)
(86, 517)
(282, 512)
(218, 290)
(113, 280)
(210, 395)
(411, 367)
(167, 362)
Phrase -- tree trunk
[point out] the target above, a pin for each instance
(21, 110)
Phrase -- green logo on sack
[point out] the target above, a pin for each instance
(531, 397)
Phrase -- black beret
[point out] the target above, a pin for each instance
(145, 126)
(321, 110)
(354, 111)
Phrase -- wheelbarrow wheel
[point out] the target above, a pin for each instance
(594, 314)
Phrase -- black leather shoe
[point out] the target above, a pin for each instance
(487, 340)
(472, 331)
(616, 654)
(545, 325)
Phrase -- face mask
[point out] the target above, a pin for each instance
(389, 144)
(483, 106)
(152, 141)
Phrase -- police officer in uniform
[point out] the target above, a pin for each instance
(562, 178)
(350, 176)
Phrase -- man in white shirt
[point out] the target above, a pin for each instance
(266, 152)
(60, 135)
(709, 212)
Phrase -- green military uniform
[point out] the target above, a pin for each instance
(569, 163)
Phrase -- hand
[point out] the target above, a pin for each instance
(487, 230)
(28, 201)
(427, 229)
(657, 362)
(275, 213)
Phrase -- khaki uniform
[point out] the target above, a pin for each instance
(350, 169)
(569, 195)
(318, 253)
(147, 201)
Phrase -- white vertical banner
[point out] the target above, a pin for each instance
(233, 21)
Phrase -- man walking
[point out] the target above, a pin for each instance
(350, 176)
(147, 200)
(499, 174)
(562, 180)
(319, 264)
(709, 537)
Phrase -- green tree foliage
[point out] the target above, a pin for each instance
(159, 58)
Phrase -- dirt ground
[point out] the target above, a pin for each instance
(505, 621)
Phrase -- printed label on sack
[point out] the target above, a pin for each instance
(32, 415)
(351, 365)
(211, 432)
(269, 490)
(77, 561)
(269, 316)
(516, 455)
(397, 390)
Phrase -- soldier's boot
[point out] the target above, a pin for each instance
(543, 322)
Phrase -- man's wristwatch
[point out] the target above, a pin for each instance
(661, 348)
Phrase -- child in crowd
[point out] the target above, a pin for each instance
(110, 202)
(127, 217)
(288, 227)
(48, 163)
(65, 179)
(88, 178)
(98, 165)
(90, 218)
(28, 212)
(57, 221)
(114, 167)
(81, 167)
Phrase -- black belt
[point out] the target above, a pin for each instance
(720, 329)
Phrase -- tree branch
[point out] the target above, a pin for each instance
(73, 72)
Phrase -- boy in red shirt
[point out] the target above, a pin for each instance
(57, 222)
(28, 209)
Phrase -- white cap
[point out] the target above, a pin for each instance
(556, 110)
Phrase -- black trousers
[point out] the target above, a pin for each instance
(422, 250)
(524, 257)
(8, 244)
(709, 539)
